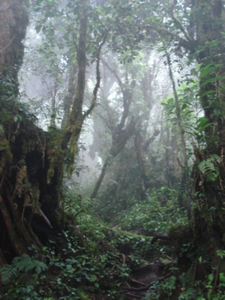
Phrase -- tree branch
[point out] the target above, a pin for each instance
(151, 139)
(180, 26)
(98, 77)
(121, 85)
(165, 32)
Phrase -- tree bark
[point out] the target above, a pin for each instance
(183, 198)
(211, 194)
(100, 178)
(15, 241)
(75, 118)
(13, 23)
(74, 125)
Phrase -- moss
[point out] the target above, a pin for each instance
(55, 154)
(5, 151)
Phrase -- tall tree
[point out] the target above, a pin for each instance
(32, 161)
(13, 21)
(184, 200)
(123, 130)
(208, 21)
(196, 28)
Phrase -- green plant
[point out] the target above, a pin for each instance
(209, 168)
(21, 267)
(158, 213)
(220, 253)
(25, 272)
(165, 289)
(169, 285)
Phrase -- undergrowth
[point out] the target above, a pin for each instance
(158, 213)
(97, 260)
(94, 260)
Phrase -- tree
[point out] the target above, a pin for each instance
(133, 174)
(13, 21)
(188, 26)
(208, 19)
(33, 161)
(123, 130)
(184, 200)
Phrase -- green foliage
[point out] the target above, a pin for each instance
(98, 233)
(89, 261)
(22, 265)
(158, 213)
(220, 253)
(209, 168)
(22, 277)
(202, 124)
(81, 269)
(205, 289)
(190, 110)
(165, 289)
(84, 266)
(13, 112)
(174, 288)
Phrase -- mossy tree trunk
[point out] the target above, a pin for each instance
(203, 39)
(74, 119)
(209, 169)
(27, 200)
(183, 198)
(13, 23)
(142, 148)
(32, 161)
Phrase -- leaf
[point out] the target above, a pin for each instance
(203, 123)
(205, 71)
(209, 169)
(210, 277)
(211, 80)
(93, 278)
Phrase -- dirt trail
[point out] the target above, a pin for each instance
(142, 279)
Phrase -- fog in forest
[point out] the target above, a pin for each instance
(144, 115)
(112, 149)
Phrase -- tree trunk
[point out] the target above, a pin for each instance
(68, 99)
(27, 200)
(100, 178)
(121, 133)
(75, 120)
(13, 23)
(141, 163)
(209, 217)
(183, 196)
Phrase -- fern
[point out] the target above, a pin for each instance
(22, 267)
(209, 168)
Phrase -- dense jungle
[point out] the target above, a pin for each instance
(112, 149)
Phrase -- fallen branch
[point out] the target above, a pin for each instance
(138, 289)
(138, 282)
(134, 296)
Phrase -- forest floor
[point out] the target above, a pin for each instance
(142, 279)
